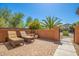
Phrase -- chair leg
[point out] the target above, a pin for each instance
(22, 43)
(12, 44)
(30, 40)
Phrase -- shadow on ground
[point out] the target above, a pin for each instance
(10, 47)
(76, 46)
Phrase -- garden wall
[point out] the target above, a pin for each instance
(4, 34)
(51, 34)
(76, 34)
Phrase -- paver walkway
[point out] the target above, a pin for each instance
(66, 49)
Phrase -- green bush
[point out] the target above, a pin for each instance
(65, 33)
(34, 24)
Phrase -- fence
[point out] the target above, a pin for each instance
(4, 34)
(53, 34)
(76, 34)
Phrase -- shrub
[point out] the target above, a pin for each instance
(65, 33)
(35, 24)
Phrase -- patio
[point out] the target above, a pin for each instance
(42, 47)
(37, 48)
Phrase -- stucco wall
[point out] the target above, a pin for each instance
(4, 34)
(76, 34)
(51, 34)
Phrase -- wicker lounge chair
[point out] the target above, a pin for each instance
(13, 39)
(27, 37)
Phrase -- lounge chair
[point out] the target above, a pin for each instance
(13, 39)
(29, 38)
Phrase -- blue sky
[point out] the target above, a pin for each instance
(66, 12)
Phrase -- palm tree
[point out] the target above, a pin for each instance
(50, 22)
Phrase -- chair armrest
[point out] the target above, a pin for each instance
(32, 34)
(36, 36)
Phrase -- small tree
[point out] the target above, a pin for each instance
(16, 20)
(10, 19)
(35, 24)
(5, 13)
(2, 23)
(28, 21)
(21, 24)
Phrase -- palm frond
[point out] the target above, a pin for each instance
(50, 22)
